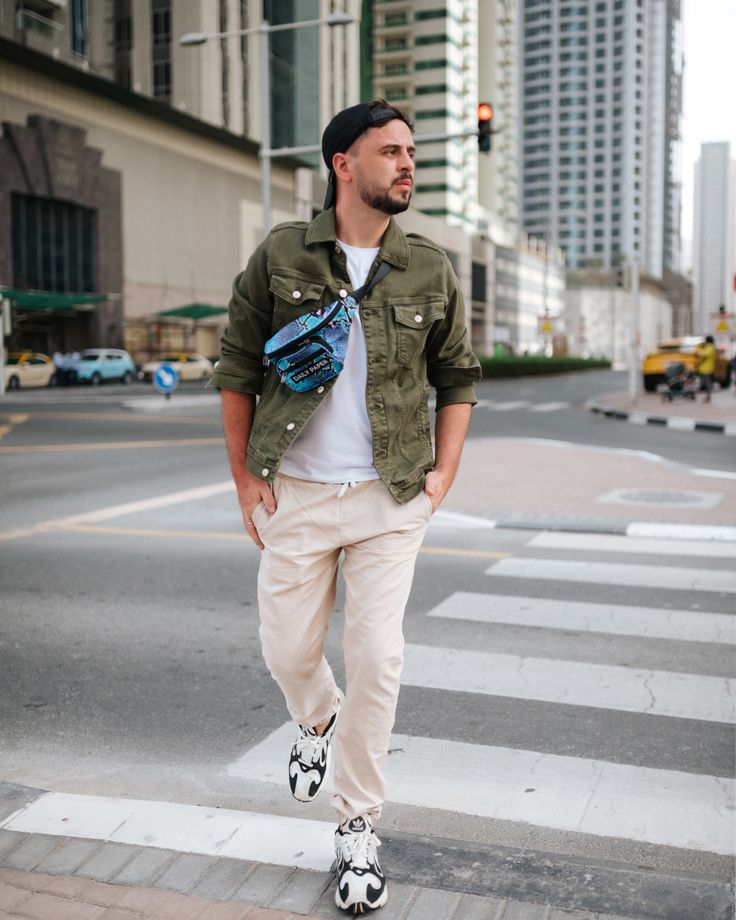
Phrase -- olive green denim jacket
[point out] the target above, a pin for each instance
(415, 336)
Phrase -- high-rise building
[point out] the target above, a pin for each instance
(498, 80)
(714, 234)
(314, 71)
(422, 56)
(601, 104)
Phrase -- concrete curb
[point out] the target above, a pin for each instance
(667, 421)
(626, 528)
(430, 878)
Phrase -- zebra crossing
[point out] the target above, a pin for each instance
(635, 802)
(656, 772)
(519, 405)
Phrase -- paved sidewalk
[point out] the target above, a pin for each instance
(522, 482)
(62, 897)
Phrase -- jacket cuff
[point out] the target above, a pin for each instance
(450, 396)
(225, 379)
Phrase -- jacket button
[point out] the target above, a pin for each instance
(418, 318)
(342, 292)
(264, 471)
(296, 294)
(290, 426)
(320, 389)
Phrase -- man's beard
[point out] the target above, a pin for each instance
(382, 201)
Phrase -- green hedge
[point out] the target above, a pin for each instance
(524, 365)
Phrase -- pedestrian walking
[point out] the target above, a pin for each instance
(707, 366)
(356, 320)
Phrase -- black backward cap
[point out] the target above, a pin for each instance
(342, 132)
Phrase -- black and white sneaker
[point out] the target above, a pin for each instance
(310, 758)
(361, 884)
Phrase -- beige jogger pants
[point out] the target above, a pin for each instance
(297, 578)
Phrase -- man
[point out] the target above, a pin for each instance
(707, 366)
(347, 467)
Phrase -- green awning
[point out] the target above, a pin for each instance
(49, 300)
(194, 311)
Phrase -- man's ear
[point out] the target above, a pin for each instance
(340, 167)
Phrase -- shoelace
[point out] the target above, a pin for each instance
(310, 743)
(361, 847)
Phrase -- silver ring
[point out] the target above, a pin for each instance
(249, 523)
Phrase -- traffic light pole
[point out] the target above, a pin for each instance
(634, 334)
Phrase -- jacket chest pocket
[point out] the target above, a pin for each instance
(413, 321)
(293, 296)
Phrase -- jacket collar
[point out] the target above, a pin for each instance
(394, 248)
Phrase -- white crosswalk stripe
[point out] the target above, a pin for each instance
(610, 573)
(616, 543)
(612, 619)
(567, 793)
(575, 683)
(538, 788)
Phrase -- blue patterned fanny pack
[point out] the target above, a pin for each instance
(311, 349)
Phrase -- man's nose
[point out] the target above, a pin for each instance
(407, 164)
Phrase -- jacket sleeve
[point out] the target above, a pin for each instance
(452, 368)
(240, 366)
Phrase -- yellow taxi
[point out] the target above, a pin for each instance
(28, 369)
(683, 351)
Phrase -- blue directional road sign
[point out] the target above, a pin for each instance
(165, 379)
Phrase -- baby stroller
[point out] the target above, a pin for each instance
(680, 383)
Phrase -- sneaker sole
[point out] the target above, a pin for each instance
(362, 907)
(311, 798)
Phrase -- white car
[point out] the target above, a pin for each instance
(28, 369)
(187, 367)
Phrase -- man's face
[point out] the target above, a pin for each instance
(382, 162)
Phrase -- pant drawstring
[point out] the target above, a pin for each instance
(344, 487)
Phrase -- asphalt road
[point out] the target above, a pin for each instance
(131, 664)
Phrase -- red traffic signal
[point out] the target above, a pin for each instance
(485, 126)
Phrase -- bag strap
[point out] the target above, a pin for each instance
(383, 269)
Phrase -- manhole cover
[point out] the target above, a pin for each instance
(663, 498)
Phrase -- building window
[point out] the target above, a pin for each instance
(123, 43)
(396, 44)
(431, 39)
(430, 14)
(225, 67)
(398, 69)
(161, 35)
(433, 113)
(78, 27)
(433, 88)
(478, 282)
(54, 245)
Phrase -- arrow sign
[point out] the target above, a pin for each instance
(165, 379)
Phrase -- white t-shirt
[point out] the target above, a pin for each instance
(336, 444)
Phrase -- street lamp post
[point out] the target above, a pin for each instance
(265, 152)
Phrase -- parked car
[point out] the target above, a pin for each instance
(97, 365)
(28, 369)
(680, 351)
(187, 367)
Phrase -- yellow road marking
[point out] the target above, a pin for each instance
(147, 532)
(125, 417)
(13, 419)
(469, 553)
(232, 537)
(109, 445)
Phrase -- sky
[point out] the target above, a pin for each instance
(709, 106)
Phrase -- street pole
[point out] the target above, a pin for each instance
(265, 147)
(634, 333)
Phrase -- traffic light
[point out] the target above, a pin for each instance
(485, 126)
